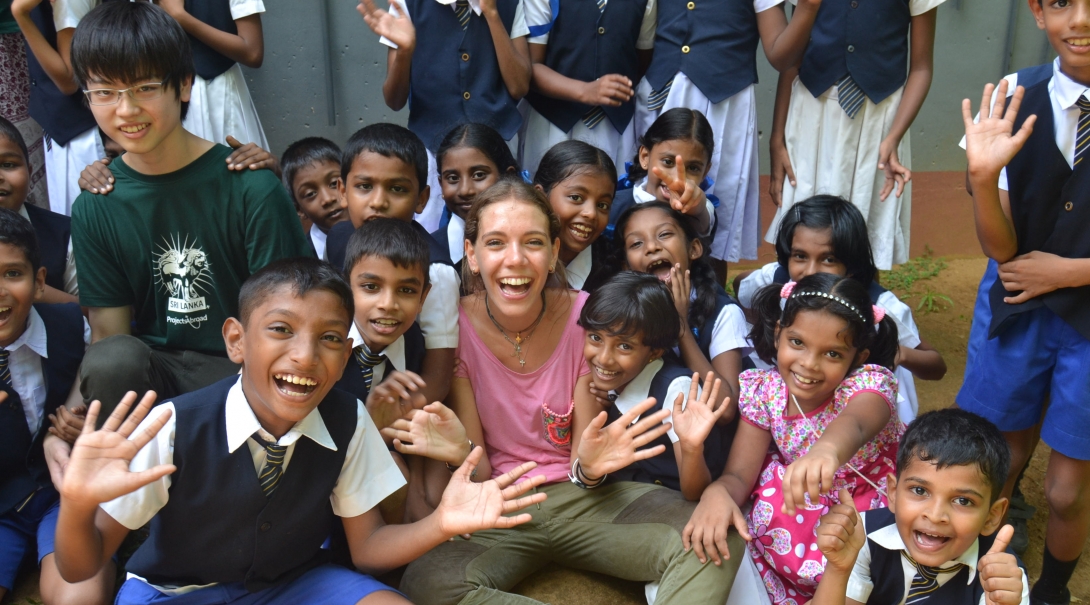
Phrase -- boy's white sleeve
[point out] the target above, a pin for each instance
(403, 9)
(730, 332)
(245, 8)
(369, 473)
(539, 18)
(67, 13)
(919, 7)
(134, 510)
(439, 316)
(860, 584)
(908, 335)
(753, 282)
(678, 386)
(646, 40)
(760, 6)
(519, 27)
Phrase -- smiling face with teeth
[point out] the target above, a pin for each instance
(1067, 25)
(814, 354)
(292, 350)
(581, 202)
(940, 512)
(388, 298)
(616, 359)
(654, 242)
(20, 288)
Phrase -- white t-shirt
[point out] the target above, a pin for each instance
(518, 25)
(539, 12)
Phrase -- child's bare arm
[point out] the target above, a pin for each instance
(924, 361)
(513, 54)
(726, 366)
(246, 47)
(51, 295)
(840, 536)
(777, 142)
(56, 62)
(466, 507)
(693, 419)
(784, 42)
(611, 90)
(464, 404)
(395, 26)
(437, 370)
(864, 416)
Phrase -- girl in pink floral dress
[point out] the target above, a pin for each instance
(821, 420)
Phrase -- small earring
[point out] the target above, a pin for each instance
(551, 269)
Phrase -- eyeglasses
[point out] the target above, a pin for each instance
(141, 92)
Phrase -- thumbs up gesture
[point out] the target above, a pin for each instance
(841, 535)
(999, 572)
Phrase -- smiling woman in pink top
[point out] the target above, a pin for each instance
(521, 389)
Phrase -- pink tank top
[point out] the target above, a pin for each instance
(517, 428)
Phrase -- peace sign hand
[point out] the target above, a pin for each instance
(999, 572)
(991, 143)
(98, 469)
(840, 534)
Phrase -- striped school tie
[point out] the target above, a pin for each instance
(596, 114)
(461, 10)
(274, 465)
(1082, 134)
(367, 361)
(850, 95)
(5, 371)
(926, 580)
(657, 99)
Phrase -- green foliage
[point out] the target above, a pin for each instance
(902, 278)
(933, 301)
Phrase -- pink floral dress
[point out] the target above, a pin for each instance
(784, 548)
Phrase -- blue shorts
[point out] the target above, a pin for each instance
(324, 585)
(1039, 358)
(37, 519)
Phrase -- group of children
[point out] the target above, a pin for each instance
(346, 341)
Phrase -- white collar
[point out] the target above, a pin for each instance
(889, 538)
(23, 212)
(1064, 89)
(395, 352)
(242, 424)
(637, 389)
(456, 237)
(318, 238)
(641, 195)
(33, 337)
(579, 268)
(473, 4)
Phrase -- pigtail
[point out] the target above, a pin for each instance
(884, 346)
(766, 311)
(704, 282)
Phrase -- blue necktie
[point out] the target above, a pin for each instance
(1082, 134)
(849, 94)
(367, 361)
(461, 10)
(274, 465)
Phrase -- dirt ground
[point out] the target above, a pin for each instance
(947, 329)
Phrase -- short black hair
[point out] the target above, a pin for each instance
(389, 140)
(396, 241)
(848, 229)
(17, 231)
(132, 42)
(303, 153)
(954, 437)
(302, 274)
(568, 158)
(632, 303)
(10, 132)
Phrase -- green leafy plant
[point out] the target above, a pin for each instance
(932, 301)
(903, 278)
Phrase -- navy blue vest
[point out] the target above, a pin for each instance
(866, 38)
(663, 469)
(336, 244)
(455, 78)
(874, 289)
(443, 242)
(585, 44)
(888, 575)
(63, 117)
(1050, 208)
(218, 526)
(216, 13)
(22, 462)
(704, 333)
(623, 199)
(602, 264)
(54, 232)
(720, 37)
(352, 380)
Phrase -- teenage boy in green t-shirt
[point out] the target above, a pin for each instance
(163, 257)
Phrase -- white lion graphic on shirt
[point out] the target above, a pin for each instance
(183, 271)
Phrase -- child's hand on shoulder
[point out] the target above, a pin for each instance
(395, 397)
(991, 143)
(811, 475)
(686, 196)
(250, 156)
(840, 534)
(433, 432)
(681, 289)
(693, 422)
(96, 177)
(706, 531)
(468, 507)
(391, 24)
(68, 424)
(1000, 575)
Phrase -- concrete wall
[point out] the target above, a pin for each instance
(291, 87)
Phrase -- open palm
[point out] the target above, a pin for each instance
(991, 142)
(693, 421)
(467, 507)
(606, 449)
(433, 432)
(391, 24)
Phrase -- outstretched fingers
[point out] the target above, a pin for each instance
(137, 416)
(140, 439)
(508, 478)
(113, 421)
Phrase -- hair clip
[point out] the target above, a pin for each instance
(879, 314)
(787, 289)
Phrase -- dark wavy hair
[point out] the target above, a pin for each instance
(633, 303)
(483, 138)
(954, 437)
(851, 243)
(678, 123)
(568, 158)
(882, 343)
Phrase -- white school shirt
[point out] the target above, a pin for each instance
(438, 317)
(729, 332)
(641, 196)
(860, 584)
(71, 286)
(637, 390)
(318, 238)
(25, 364)
(579, 268)
(456, 238)
(539, 12)
(367, 477)
(1064, 93)
(394, 352)
(518, 25)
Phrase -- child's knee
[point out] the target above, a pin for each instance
(1066, 499)
(441, 576)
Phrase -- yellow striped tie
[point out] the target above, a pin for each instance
(461, 10)
(274, 465)
(926, 580)
(1082, 134)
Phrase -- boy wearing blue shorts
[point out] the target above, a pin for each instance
(1030, 177)
(242, 481)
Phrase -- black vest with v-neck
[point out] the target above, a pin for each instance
(1050, 208)
(218, 526)
(351, 381)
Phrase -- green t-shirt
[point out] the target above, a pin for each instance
(178, 246)
(7, 21)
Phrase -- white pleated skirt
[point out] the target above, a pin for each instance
(223, 106)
